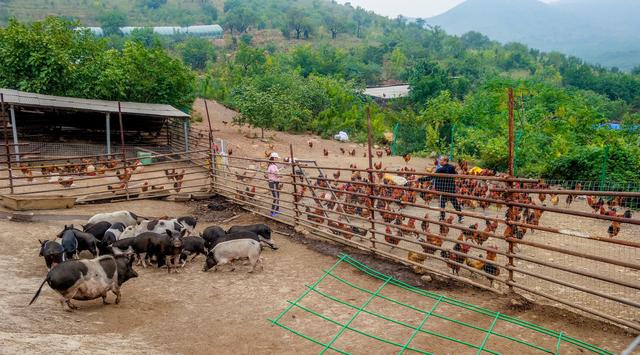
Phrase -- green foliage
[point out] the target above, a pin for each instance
(111, 21)
(623, 164)
(197, 52)
(50, 57)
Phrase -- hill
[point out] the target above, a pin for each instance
(605, 33)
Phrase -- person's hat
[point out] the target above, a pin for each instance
(274, 155)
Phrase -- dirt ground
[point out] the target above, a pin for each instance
(243, 142)
(226, 312)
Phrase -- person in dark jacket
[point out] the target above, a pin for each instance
(448, 185)
(445, 184)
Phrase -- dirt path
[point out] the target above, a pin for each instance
(225, 312)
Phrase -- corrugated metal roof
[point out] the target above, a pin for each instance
(21, 98)
(388, 92)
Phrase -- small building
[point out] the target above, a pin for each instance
(382, 94)
(57, 126)
(214, 31)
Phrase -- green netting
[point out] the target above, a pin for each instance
(431, 313)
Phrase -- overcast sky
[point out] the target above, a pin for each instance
(408, 8)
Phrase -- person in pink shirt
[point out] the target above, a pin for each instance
(274, 180)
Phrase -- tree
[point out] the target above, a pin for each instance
(146, 75)
(197, 52)
(336, 22)
(210, 10)
(636, 70)
(111, 21)
(426, 80)
(147, 37)
(240, 18)
(361, 18)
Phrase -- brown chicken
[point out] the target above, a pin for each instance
(407, 158)
(417, 258)
(454, 259)
(444, 230)
(325, 152)
(378, 165)
(352, 153)
(230, 151)
(568, 200)
(379, 153)
(388, 151)
(310, 143)
(389, 237)
(554, 200)
(65, 182)
(614, 229)
(342, 150)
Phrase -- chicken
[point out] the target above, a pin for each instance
(458, 259)
(336, 175)
(489, 266)
(137, 167)
(65, 182)
(225, 122)
(378, 165)
(325, 152)
(342, 150)
(614, 229)
(267, 154)
(554, 200)
(179, 177)
(542, 197)
(24, 168)
(444, 230)
(471, 235)
(310, 143)
(407, 158)
(389, 237)
(250, 192)
(568, 200)
(352, 152)
(379, 153)
(230, 151)
(177, 186)
(170, 174)
(125, 176)
(417, 258)
(387, 150)
(424, 226)
(145, 186)
(364, 154)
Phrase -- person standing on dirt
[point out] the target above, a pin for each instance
(445, 184)
(448, 185)
(273, 177)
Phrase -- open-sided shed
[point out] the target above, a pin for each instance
(46, 118)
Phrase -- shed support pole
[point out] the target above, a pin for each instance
(185, 125)
(14, 130)
(108, 130)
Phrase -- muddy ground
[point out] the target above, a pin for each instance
(226, 312)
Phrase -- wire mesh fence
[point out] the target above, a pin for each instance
(493, 232)
(337, 315)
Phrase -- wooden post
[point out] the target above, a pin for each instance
(509, 221)
(371, 182)
(122, 147)
(212, 155)
(14, 130)
(295, 186)
(5, 121)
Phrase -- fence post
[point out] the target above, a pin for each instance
(5, 120)
(212, 155)
(510, 184)
(603, 170)
(371, 183)
(124, 154)
(295, 186)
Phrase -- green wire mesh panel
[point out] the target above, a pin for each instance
(381, 314)
(408, 138)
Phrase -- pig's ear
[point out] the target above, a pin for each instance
(41, 242)
(168, 232)
(132, 258)
(183, 233)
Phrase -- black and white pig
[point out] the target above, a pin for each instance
(52, 252)
(166, 248)
(226, 252)
(260, 229)
(89, 279)
(125, 217)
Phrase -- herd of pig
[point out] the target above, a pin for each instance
(119, 239)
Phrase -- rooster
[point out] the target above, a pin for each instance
(325, 152)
